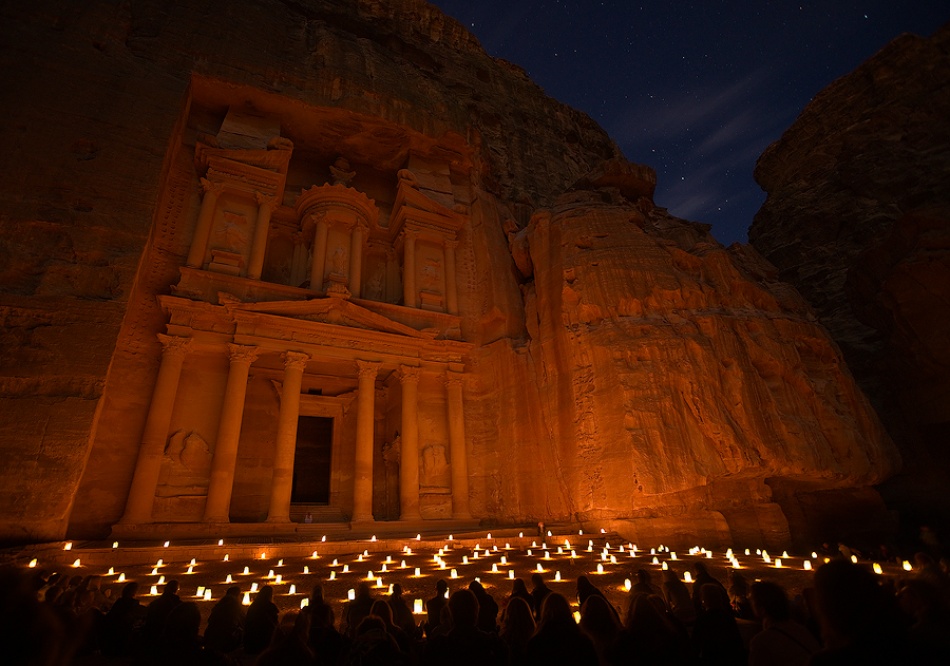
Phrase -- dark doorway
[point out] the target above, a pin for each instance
(312, 460)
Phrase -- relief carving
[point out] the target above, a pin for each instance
(435, 473)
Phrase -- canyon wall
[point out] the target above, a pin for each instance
(627, 369)
(858, 219)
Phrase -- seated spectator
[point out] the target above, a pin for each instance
(464, 644)
(261, 621)
(373, 646)
(225, 628)
(289, 645)
(558, 639)
(600, 623)
(782, 641)
(716, 637)
(517, 627)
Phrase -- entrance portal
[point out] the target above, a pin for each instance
(312, 460)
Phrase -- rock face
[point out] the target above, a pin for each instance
(858, 219)
(616, 365)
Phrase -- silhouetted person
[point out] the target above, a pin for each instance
(703, 577)
(158, 611)
(465, 644)
(518, 590)
(600, 624)
(586, 589)
(644, 584)
(487, 608)
(678, 599)
(261, 620)
(648, 637)
(121, 622)
(517, 628)
(357, 609)
(226, 623)
(539, 592)
(181, 643)
(716, 636)
(927, 610)
(382, 610)
(739, 596)
(859, 622)
(402, 614)
(30, 631)
(435, 605)
(558, 639)
(782, 641)
(289, 645)
(329, 646)
(374, 646)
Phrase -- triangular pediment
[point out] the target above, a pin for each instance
(333, 311)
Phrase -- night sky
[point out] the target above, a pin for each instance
(697, 90)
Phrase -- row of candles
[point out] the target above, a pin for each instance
(607, 557)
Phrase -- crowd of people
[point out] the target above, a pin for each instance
(849, 616)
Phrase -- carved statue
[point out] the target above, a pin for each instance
(340, 172)
(391, 454)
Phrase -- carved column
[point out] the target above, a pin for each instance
(265, 206)
(282, 484)
(199, 243)
(148, 466)
(319, 258)
(409, 458)
(356, 260)
(451, 287)
(409, 292)
(229, 434)
(460, 507)
(363, 472)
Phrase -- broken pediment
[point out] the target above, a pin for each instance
(335, 311)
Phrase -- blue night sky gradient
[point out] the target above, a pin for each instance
(696, 90)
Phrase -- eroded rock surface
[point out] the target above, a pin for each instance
(623, 368)
(857, 218)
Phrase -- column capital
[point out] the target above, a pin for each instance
(409, 374)
(243, 353)
(453, 378)
(367, 368)
(174, 345)
(264, 199)
(410, 234)
(294, 360)
(211, 187)
(451, 243)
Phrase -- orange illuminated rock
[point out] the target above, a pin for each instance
(332, 263)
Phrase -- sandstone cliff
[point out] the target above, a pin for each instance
(625, 368)
(858, 219)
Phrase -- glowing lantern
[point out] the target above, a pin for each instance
(292, 590)
(418, 572)
(264, 556)
(161, 580)
(121, 578)
(417, 607)
(494, 568)
(454, 574)
(577, 617)
(207, 596)
(220, 542)
(351, 594)
(511, 574)
(111, 571)
(877, 568)
(656, 560)
(306, 570)
(907, 566)
(155, 571)
(277, 579)
(814, 555)
(600, 568)
(201, 591)
(247, 571)
(253, 588)
(314, 555)
(464, 559)
(153, 590)
(402, 565)
(613, 559)
(160, 563)
(32, 564)
(335, 562)
(665, 566)
(373, 539)
(304, 603)
(115, 544)
(806, 565)
(504, 560)
(77, 564)
(246, 601)
(346, 568)
(226, 557)
(539, 568)
(854, 559)
(778, 562)
(270, 574)
(333, 575)
(687, 577)
(627, 585)
(709, 554)
(280, 563)
(557, 576)
(489, 535)
(68, 545)
(673, 556)
(323, 538)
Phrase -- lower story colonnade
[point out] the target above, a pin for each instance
(287, 415)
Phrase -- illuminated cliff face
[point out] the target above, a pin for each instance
(366, 289)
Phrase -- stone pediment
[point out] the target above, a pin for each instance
(333, 311)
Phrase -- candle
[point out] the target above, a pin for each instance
(417, 606)
(207, 596)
